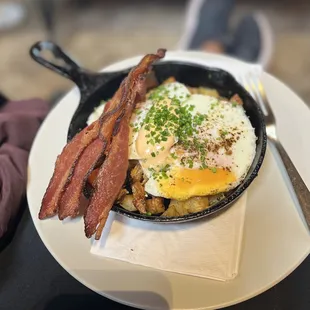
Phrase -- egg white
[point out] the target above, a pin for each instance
(221, 117)
(175, 89)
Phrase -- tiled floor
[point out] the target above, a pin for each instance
(108, 31)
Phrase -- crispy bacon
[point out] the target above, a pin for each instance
(106, 137)
(112, 173)
(69, 205)
(69, 158)
(64, 166)
(107, 106)
(70, 201)
(92, 178)
(110, 179)
(93, 154)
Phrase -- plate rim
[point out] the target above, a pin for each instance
(195, 57)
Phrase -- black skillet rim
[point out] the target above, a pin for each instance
(235, 193)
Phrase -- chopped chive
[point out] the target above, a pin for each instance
(174, 156)
(213, 169)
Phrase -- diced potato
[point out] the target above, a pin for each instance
(136, 173)
(139, 200)
(192, 90)
(127, 203)
(123, 192)
(191, 205)
(208, 92)
(170, 79)
(155, 205)
(132, 163)
(236, 99)
(204, 91)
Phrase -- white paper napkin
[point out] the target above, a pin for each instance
(208, 248)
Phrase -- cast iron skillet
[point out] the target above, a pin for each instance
(95, 87)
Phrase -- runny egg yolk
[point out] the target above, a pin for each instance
(185, 183)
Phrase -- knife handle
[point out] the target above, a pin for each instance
(299, 186)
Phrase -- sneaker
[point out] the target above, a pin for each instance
(252, 40)
(209, 21)
(206, 20)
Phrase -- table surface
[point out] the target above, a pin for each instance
(30, 279)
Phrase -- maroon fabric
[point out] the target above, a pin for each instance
(19, 122)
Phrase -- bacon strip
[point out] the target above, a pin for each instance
(112, 173)
(110, 180)
(70, 201)
(80, 156)
(68, 159)
(64, 166)
(107, 106)
(69, 204)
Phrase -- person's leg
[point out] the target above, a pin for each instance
(252, 40)
(207, 28)
(207, 24)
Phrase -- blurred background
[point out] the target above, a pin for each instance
(99, 32)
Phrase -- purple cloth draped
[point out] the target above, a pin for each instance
(19, 123)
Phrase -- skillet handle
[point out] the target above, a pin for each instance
(63, 65)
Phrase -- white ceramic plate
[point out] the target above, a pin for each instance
(276, 240)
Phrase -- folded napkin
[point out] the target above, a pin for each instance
(208, 248)
(19, 122)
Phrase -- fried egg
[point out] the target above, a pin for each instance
(139, 148)
(221, 151)
(190, 145)
(228, 144)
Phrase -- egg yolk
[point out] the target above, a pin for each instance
(186, 183)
